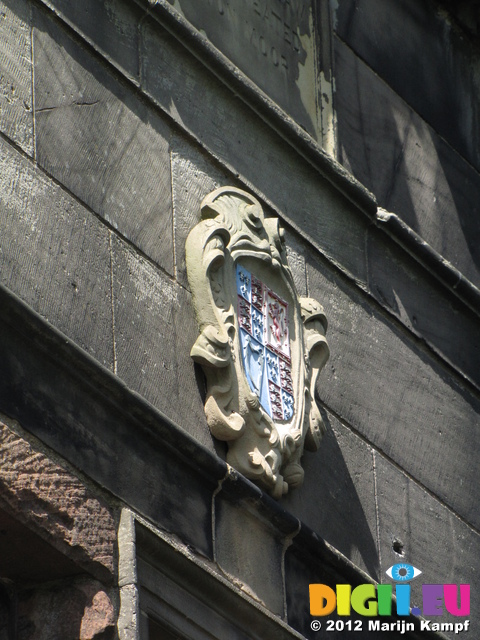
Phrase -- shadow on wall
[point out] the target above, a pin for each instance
(337, 499)
(411, 170)
(75, 609)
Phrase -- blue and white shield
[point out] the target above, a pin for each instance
(265, 345)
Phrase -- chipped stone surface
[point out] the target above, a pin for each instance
(128, 617)
(98, 615)
(55, 504)
(106, 440)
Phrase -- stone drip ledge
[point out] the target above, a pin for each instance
(443, 270)
(184, 576)
(212, 477)
(194, 577)
(270, 113)
(256, 99)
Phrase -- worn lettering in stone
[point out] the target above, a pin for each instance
(260, 345)
(274, 42)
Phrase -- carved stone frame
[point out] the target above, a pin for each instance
(234, 231)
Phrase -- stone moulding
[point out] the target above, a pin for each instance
(260, 346)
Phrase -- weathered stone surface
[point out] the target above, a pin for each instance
(190, 379)
(155, 329)
(193, 177)
(191, 598)
(398, 396)
(16, 101)
(444, 189)
(367, 132)
(55, 504)
(113, 30)
(55, 255)
(405, 163)
(194, 98)
(249, 554)
(275, 44)
(102, 143)
(76, 610)
(427, 535)
(110, 434)
(339, 489)
(424, 306)
(375, 30)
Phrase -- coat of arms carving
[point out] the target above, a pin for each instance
(261, 347)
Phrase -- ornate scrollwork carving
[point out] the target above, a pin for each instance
(260, 346)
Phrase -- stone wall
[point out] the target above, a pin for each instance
(58, 573)
(116, 119)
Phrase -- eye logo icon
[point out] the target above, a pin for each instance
(402, 572)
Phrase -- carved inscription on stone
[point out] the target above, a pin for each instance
(260, 346)
(273, 42)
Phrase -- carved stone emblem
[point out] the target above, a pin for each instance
(260, 345)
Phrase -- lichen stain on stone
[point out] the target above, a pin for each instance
(327, 114)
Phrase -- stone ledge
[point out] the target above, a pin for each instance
(306, 146)
(271, 114)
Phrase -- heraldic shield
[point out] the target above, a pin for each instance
(261, 347)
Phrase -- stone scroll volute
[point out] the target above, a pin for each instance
(260, 346)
